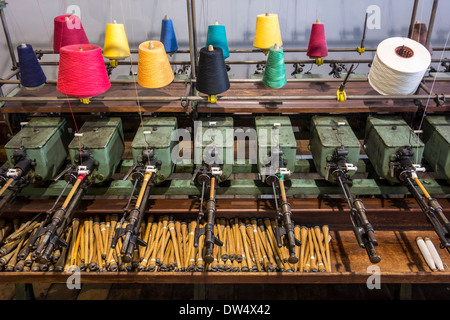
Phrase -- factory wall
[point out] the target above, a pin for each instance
(31, 21)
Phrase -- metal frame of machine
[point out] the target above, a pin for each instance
(337, 174)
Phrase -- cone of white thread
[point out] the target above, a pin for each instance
(398, 66)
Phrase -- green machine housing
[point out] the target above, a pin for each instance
(329, 134)
(156, 133)
(104, 139)
(45, 141)
(384, 136)
(436, 136)
(215, 133)
(275, 133)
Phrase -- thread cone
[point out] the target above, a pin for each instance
(68, 30)
(116, 43)
(267, 31)
(317, 47)
(275, 70)
(212, 77)
(217, 37)
(168, 37)
(154, 70)
(82, 72)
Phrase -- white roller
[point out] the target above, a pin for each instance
(399, 66)
(426, 253)
(434, 254)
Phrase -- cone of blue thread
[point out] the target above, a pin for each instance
(217, 37)
(275, 70)
(31, 74)
(168, 38)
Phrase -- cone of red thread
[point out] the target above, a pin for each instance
(317, 47)
(82, 71)
(68, 30)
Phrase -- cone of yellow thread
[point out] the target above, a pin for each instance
(154, 70)
(116, 42)
(267, 31)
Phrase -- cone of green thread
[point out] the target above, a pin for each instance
(275, 71)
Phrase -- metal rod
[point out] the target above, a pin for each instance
(251, 62)
(194, 33)
(290, 80)
(8, 41)
(279, 99)
(191, 52)
(413, 18)
(431, 23)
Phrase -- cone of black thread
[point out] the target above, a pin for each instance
(212, 77)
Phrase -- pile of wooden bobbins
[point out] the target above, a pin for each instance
(249, 245)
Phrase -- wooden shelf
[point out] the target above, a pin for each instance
(228, 105)
(401, 262)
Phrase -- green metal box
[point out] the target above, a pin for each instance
(215, 133)
(45, 140)
(157, 133)
(104, 139)
(328, 134)
(384, 136)
(275, 132)
(436, 136)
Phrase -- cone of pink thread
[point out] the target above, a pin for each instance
(82, 71)
(317, 47)
(68, 30)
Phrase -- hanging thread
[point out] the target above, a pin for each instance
(267, 32)
(116, 43)
(68, 30)
(154, 70)
(217, 37)
(31, 74)
(212, 77)
(82, 72)
(168, 37)
(399, 66)
(275, 70)
(317, 46)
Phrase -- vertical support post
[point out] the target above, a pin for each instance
(413, 18)
(431, 23)
(191, 44)
(194, 33)
(8, 37)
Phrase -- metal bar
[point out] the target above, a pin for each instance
(291, 80)
(220, 98)
(12, 74)
(285, 50)
(194, 33)
(251, 62)
(431, 23)
(413, 18)
(8, 41)
(191, 54)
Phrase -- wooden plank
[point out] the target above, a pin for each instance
(7, 291)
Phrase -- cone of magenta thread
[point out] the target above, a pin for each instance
(68, 30)
(82, 71)
(31, 74)
(317, 47)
